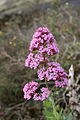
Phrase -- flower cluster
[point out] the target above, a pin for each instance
(33, 61)
(43, 44)
(30, 91)
(53, 72)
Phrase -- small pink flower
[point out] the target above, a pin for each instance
(1, 113)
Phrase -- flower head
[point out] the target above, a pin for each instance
(30, 89)
(33, 61)
(53, 72)
(44, 41)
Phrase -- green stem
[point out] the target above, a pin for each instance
(46, 82)
(54, 109)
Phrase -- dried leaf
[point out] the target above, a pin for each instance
(71, 76)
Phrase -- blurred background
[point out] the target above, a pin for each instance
(18, 21)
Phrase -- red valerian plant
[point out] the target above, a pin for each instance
(43, 45)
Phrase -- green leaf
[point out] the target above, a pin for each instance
(47, 104)
(48, 114)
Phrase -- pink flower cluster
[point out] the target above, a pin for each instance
(53, 72)
(33, 61)
(30, 92)
(42, 45)
(44, 42)
(29, 89)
